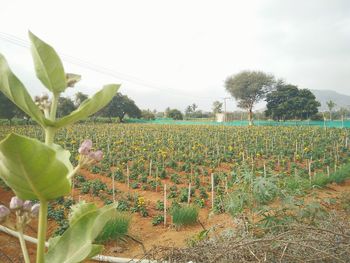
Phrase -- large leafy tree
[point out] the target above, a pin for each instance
(8, 109)
(330, 105)
(175, 114)
(217, 107)
(65, 106)
(248, 88)
(120, 106)
(80, 98)
(288, 102)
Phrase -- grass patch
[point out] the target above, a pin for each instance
(184, 215)
(115, 229)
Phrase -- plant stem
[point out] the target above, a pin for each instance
(49, 135)
(54, 106)
(23, 246)
(42, 224)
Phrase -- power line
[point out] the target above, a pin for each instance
(100, 69)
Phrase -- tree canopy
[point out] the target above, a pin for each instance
(8, 110)
(217, 107)
(147, 115)
(120, 106)
(175, 114)
(248, 88)
(65, 106)
(79, 98)
(288, 102)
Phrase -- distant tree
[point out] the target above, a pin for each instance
(331, 105)
(288, 102)
(65, 106)
(248, 88)
(79, 98)
(188, 110)
(120, 106)
(343, 112)
(8, 109)
(194, 107)
(217, 107)
(147, 115)
(166, 113)
(175, 114)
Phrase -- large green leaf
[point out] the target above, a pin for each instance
(76, 244)
(13, 88)
(48, 65)
(34, 170)
(90, 106)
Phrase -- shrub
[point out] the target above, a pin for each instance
(157, 220)
(115, 229)
(184, 215)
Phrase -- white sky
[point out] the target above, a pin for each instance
(175, 53)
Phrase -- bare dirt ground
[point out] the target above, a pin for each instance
(141, 227)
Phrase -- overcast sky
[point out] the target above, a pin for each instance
(175, 53)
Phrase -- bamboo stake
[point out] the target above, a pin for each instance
(328, 173)
(150, 167)
(128, 176)
(310, 171)
(113, 187)
(212, 190)
(189, 193)
(165, 196)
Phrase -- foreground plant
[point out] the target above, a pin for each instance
(43, 171)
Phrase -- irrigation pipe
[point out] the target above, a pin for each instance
(97, 258)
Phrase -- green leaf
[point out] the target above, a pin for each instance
(13, 88)
(78, 210)
(34, 170)
(76, 244)
(48, 65)
(90, 106)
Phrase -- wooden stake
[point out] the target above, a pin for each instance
(128, 176)
(157, 179)
(212, 190)
(264, 169)
(150, 168)
(113, 188)
(165, 196)
(189, 193)
(328, 173)
(310, 171)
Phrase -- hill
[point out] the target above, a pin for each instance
(323, 96)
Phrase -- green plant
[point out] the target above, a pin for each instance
(43, 171)
(157, 220)
(184, 215)
(115, 229)
(236, 201)
(160, 205)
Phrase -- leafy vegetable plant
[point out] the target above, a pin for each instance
(42, 171)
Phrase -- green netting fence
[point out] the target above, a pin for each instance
(331, 124)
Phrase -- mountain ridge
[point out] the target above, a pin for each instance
(341, 100)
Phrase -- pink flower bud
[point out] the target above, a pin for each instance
(16, 203)
(97, 156)
(4, 212)
(85, 147)
(35, 210)
(27, 205)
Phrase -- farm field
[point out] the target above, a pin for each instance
(222, 172)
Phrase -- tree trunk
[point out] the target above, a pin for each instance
(250, 116)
